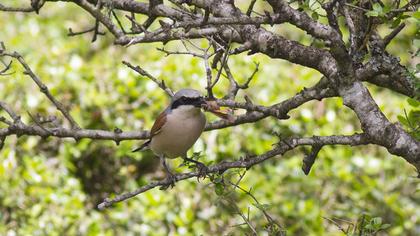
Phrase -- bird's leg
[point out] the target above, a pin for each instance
(169, 175)
(202, 169)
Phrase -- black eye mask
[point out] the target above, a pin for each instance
(196, 101)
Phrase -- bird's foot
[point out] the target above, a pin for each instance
(170, 179)
(202, 169)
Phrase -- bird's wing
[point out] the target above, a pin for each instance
(156, 128)
(160, 121)
(142, 147)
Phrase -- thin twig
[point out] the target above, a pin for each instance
(95, 31)
(331, 16)
(118, 21)
(38, 123)
(224, 62)
(4, 120)
(72, 33)
(309, 159)
(246, 84)
(392, 35)
(206, 16)
(136, 28)
(181, 53)
(9, 111)
(2, 141)
(336, 224)
(6, 68)
(356, 7)
(16, 9)
(209, 76)
(233, 85)
(43, 88)
(251, 7)
(245, 218)
(352, 29)
(160, 83)
(134, 24)
(96, 27)
(267, 216)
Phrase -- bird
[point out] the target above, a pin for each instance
(177, 128)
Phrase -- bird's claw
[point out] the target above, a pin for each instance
(171, 179)
(202, 170)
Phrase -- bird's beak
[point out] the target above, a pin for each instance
(208, 104)
(203, 102)
(213, 107)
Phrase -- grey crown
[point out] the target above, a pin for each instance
(191, 93)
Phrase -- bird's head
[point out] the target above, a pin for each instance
(191, 100)
(188, 99)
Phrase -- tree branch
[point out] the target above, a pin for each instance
(392, 35)
(281, 148)
(309, 159)
(16, 9)
(279, 110)
(269, 43)
(76, 134)
(42, 87)
(305, 22)
(9, 111)
(386, 71)
(97, 14)
(376, 125)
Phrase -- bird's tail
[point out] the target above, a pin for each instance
(142, 147)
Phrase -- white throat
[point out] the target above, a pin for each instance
(187, 111)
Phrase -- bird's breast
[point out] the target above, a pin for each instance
(179, 133)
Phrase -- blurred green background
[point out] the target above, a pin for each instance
(52, 186)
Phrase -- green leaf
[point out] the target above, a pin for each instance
(372, 13)
(377, 221)
(370, 227)
(377, 7)
(315, 15)
(263, 207)
(386, 9)
(396, 23)
(218, 179)
(402, 120)
(219, 189)
(413, 102)
(385, 226)
(377, 10)
(416, 15)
